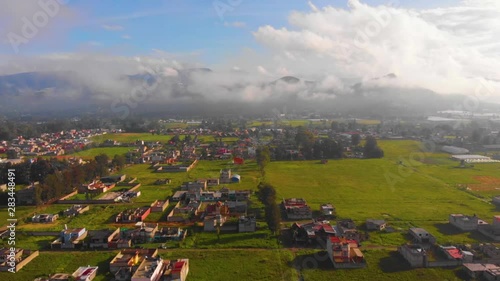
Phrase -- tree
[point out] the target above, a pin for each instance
(355, 139)
(304, 137)
(273, 217)
(266, 193)
(102, 165)
(119, 161)
(263, 157)
(371, 149)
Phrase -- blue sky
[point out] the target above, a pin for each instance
(181, 27)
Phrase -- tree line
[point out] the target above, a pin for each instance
(57, 178)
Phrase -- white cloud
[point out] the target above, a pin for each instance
(442, 49)
(112, 27)
(126, 37)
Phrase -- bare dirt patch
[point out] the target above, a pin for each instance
(487, 183)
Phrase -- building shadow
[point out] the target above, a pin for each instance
(447, 229)
(393, 263)
(318, 260)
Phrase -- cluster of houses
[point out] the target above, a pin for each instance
(119, 238)
(72, 211)
(52, 144)
(478, 261)
(342, 241)
(133, 265)
(471, 223)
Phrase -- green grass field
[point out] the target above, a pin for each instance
(110, 151)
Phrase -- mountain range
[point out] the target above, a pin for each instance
(195, 90)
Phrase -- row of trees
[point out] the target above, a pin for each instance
(267, 195)
(58, 178)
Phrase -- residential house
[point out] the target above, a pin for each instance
(143, 233)
(344, 253)
(95, 187)
(70, 239)
(210, 196)
(159, 206)
(213, 182)
(234, 195)
(421, 236)
(237, 208)
(185, 212)
(210, 223)
(151, 269)
(247, 224)
(454, 253)
(133, 215)
(373, 224)
(327, 210)
(491, 230)
(176, 270)
(492, 274)
(296, 209)
(415, 255)
(108, 239)
(465, 223)
(179, 195)
(225, 176)
(170, 233)
(85, 273)
(347, 229)
(314, 231)
(44, 218)
(76, 210)
(130, 259)
(199, 185)
(477, 270)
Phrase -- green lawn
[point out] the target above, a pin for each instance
(110, 151)
(59, 262)
(415, 194)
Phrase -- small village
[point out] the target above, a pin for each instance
(147, 225)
